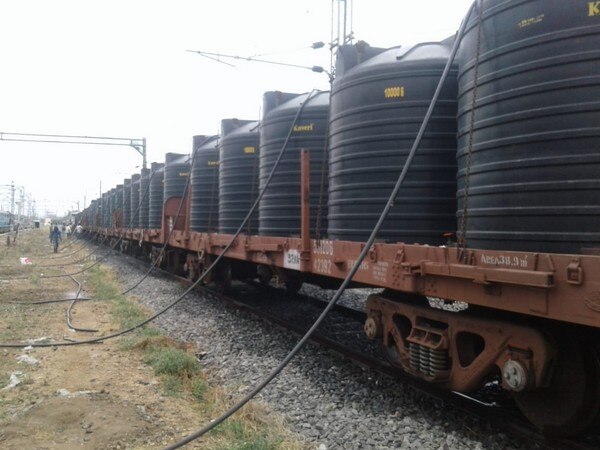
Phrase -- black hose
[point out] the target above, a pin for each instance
(70, 308)
(204, 274)
(85, 246)
(357, 263)
(46, 302)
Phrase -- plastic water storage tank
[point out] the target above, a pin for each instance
(134, 203)
(177, 171)
(238, 174)
(204, 205)
(144, 198)
(105, 210)
(116, 200)
(534, 181)
(126, 202)
(280, 207)
(156, 196)
(377, 108)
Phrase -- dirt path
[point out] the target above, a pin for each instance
(101, 396)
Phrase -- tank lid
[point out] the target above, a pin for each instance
(349, 56)
(318, 99)
(156, 166)
(127, 182)
(236, 126)
(176, 158)
(210, 143)
(273, 99)
(418, 54)
(135, 177)
(198, 140)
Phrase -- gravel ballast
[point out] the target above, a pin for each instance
(329, 401)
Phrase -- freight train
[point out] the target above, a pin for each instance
(500, 208)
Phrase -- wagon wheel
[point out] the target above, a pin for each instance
(571, 404)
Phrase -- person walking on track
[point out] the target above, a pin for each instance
(55, 238)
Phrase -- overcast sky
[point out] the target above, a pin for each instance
(119, 68)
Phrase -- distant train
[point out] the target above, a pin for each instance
(5, 222)
(500, 208)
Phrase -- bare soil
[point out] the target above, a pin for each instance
(92, 396)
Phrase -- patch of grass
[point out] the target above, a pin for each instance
(199, 388)
(126, 313)
(35, 279)
(4, 379)
(139, 339)
(103, 283)
(173, 386)
(172, 361)
(15, 324)
(240, 436)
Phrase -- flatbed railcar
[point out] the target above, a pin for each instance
(533, 319)
(523, 101)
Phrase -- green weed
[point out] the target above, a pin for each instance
(171, 361)
(199, 388)
(172, 385)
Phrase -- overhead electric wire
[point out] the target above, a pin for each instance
(210, 55)
(110, 138)
(366, 248)
(204, 274)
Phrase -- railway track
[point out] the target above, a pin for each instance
(343, 334)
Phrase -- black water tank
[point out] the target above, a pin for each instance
(156, 196)
(108, 215)
(377, 108)
(144, 198)
(126, 202)
(238, 174)
(104, 209)
(204, 205)
(534, 181)
(118, 196)
(279, 209)
(134, 203)
(117, 205)
(110, 203)
(177, 171)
